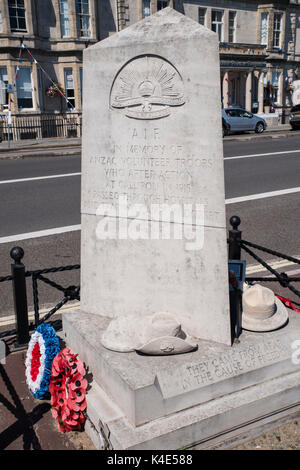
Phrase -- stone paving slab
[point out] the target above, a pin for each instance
(285, 437)
(39, 144)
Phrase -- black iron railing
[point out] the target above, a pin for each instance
(41, 126)
(18, 279)
(19, 275)
(237, 244)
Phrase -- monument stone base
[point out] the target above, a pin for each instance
(191, 400)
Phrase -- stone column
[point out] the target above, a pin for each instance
(35, 88)
(57, 17)
(93, 16)
(76, 81)
(225, 26)
(208, 18)
(241, 90)
(290, 76)
(5, 17)
(225, 91)
(269, 80)
(153, 7)
(11, 75)
(139, 9)
(72, 16)
(281, 88)
(260, 92)
(292, 34)
(248, 101)
(29, 17)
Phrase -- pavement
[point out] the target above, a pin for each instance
(27, 423)
(45, 147)
(282, 130)
(285, 437)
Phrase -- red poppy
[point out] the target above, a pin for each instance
(68, 390)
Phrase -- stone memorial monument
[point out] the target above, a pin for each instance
(154, 323)
(153, 154)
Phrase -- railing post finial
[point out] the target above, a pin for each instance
(235, 236)
(235, 221)
(20, 296)
(17, 254)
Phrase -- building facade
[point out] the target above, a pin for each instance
(259, 47)
(41, 44)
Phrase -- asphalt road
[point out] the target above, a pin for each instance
(252, 168)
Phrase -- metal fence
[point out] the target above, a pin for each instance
(237, 244)
(41, 126)
(19, 274)
(18, 278)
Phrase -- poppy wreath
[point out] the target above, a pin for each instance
(68, 391)
(42, 349)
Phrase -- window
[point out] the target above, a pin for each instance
(244, 114)
(217, 22)
(146, 8)
(277, 30)
(1, 28)
(232, 112)
(162, 4)
(24, 88)
(231, 31)
(64, 18)
(83, 18)
(201, 15)
(264, 21)
(3, 86)
(69, 87)
(17, 19)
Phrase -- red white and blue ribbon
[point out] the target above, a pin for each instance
(42, 349)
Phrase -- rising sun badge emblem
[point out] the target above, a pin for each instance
(146, 88)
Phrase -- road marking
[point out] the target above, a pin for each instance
(294, 272)
(256, 268)
(65, 175)
(74, 228)
(40, 233)
(10, 319)
(262, 154)
(22, 180)
(253, 197)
